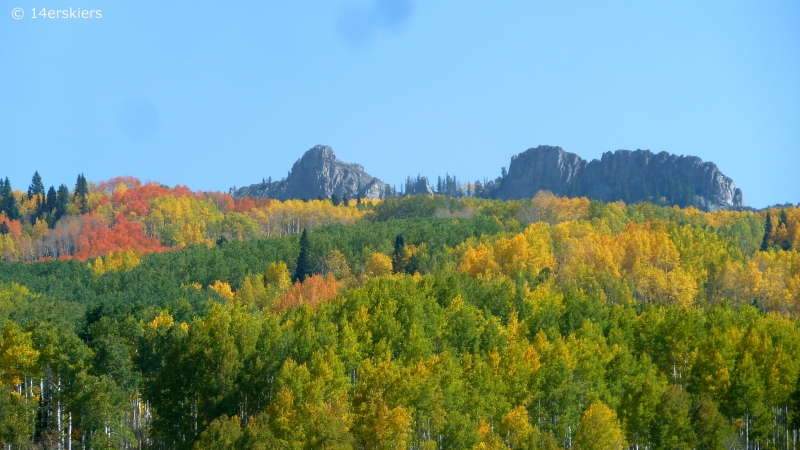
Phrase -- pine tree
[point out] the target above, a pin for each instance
(335, 200)
(4, 228)
(82, 193)
(9, 204)
(50, 202)
(36, 187)
(302, 269)
(62, 201)
(767, 232)
(398, 260)
(783, 234)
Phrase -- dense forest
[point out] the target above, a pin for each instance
(142, 316)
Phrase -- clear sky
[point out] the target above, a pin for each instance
(216, 94)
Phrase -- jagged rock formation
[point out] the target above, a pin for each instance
(319, 173)
(418, 186)
(631, 176)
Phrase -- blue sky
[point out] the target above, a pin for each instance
(213, 94)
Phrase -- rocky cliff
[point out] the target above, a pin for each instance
(319, 173)
(631, 176)
(418, 186)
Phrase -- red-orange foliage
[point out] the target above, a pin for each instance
(247, 204)
(135, 197)
(129, 182)
(313, 291)
(97, 239)
(14, 226)
(224, 202)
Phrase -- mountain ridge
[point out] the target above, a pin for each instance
(628, 175)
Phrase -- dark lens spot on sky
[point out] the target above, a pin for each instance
(139, 120)
(360, 22)
(394, 13)
(356, 25)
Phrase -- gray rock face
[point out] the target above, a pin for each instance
(320, 173)
(631, 176)
(544, 168)
(419, 186)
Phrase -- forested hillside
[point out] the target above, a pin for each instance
(142, 316)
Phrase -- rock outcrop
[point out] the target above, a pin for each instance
(418, 186)
(631, 176)
(319, 173)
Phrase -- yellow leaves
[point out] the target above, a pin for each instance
(548, 208)
(511, 254)
(646, 254)
(642, 245)
(17, 355)
(479, 262)
(223, 289)
(515, 426)
(181, 221)
(599, 430)
(336, 264)
(118, 261)
(773, 278)
(192, 233)
(526, 251)
(379, 265)
(292, 216)
(278, 275)
(253, 293)
(162, 320)
(40, 229)
(391, 427)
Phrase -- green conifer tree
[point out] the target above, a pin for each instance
(784, 242)
(62, 201)
(398, 260)
(302, 270)
(9, 201)
(36, 187)
(82, 193)
(767, 232)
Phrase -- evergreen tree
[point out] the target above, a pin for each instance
(50, 202)
(767, 232)
(302, 270)
(783, 237)
(82, 193)
(398, 260)
(9, 204)
(36, 187)
(335, 200)
(62, 201)
(4, 228)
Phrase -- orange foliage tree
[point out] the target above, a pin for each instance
(312, 292)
